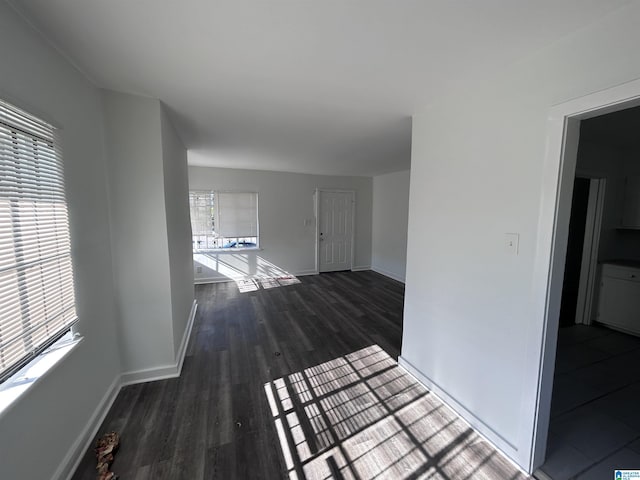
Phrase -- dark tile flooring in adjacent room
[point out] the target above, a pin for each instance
(296, 381)
(595, 407)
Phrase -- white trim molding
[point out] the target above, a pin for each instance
(204, 281)
(150, 374)
(304, 273)
(20, 383)
(392, 276)
(559, 170)
(182, 350)
(166, 371)
(506, 448)
(361, 268)
(71, 460)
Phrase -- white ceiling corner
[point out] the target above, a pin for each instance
(306, 86)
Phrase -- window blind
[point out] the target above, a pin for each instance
(237, 214)
(37, 304)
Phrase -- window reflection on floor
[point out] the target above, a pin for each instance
(361, 416)
(248, 270)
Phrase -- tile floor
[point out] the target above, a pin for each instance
(595, 408)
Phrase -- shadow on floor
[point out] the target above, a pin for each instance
(360, 416)
(294, 382)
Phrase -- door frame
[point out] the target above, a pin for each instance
(317, 213)
(589, 264)
(551, 242)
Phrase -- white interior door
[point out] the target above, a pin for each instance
(335, 230)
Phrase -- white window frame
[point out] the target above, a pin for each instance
(32, 180)
(214, 242)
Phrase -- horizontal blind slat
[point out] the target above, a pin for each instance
(37, 300)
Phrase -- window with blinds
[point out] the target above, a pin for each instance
(37, 304)
(223, 219)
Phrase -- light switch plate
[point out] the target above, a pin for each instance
(511, 241)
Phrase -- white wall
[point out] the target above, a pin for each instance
(40, 428)
(476, 174)
(285, 201)
(150, 230)
(390, 224)
(138, 229)
(176, 196)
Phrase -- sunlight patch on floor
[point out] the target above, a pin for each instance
(249, 271)
(254, 284)
(361, 416)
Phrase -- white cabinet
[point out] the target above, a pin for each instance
(619, 298)
(631, 207)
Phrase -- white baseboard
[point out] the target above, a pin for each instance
(149, 375)
(182, 350)
(306, 272)
(203, 281)
(361, 268)
(392, 276)
(72, 459)
(166, 371)
(509, 451)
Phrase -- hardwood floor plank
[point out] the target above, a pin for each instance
(297, 380)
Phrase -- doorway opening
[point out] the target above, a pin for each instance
(592, 342)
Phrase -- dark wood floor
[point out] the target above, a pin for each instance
(294, 380)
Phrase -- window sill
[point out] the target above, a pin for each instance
(22, 381)
(228, 250)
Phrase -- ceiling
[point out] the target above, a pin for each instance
(324, 86)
